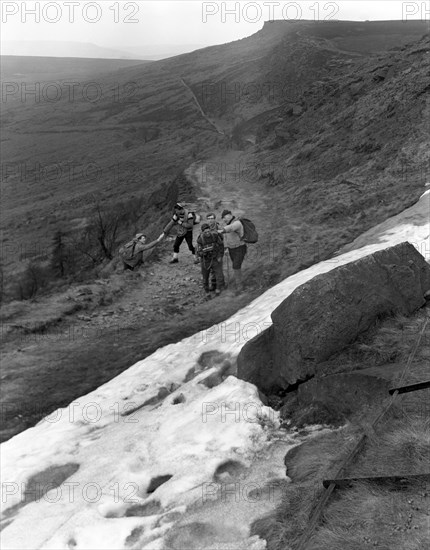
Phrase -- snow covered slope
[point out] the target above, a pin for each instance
(155, 446)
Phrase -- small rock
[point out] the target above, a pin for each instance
(84, 318)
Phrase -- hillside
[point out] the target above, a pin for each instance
(52, 69)
(131, 132)
(344, 148)
(177, 452)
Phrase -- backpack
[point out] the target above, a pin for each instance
(126, 251)
(250, 234)
(196, 217)
(191, 208)
(209, 245)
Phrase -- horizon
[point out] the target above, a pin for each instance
(171, 27)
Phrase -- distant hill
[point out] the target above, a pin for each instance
(160, 51)
(54, 48)
(24, 68)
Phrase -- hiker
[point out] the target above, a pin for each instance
(132, 252)
(233, 234)
(210, 249)
(211, 220)
(214, 225)
(184, 221)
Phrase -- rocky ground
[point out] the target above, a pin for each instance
(61, 346)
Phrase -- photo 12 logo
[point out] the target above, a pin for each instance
(416, 11)
(66, 172)
(53, 92)
(71, 12)
(250, 492)
(256, 12)
(69, 491)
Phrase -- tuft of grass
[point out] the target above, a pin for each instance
(390, 340)
(283, 531)
(390, 344)
(365, 516)
(403, 448)
(319, 457)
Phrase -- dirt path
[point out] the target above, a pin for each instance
(232, 181)
(62, 347)
(65, 346)
(77, 341)
(204, 115)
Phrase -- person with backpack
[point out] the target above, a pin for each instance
(132, 252)
(210, 250)
(214, 225)
(233, 232)
(184, 221)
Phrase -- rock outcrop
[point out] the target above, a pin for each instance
(333, 399)
(327, 313)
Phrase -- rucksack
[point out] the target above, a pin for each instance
(209, 248)
(191, 208)
(126, 251)
(250, 234)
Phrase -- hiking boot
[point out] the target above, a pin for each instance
(174, 261)
(217, 292)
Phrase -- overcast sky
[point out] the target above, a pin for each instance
(123, 23)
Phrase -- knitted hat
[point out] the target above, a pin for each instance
(225, 212)
(205, 226)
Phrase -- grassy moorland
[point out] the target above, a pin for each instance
(325, 135)
(335, 121)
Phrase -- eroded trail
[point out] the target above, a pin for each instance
(59, 347)
(231, 181)
(199, 107)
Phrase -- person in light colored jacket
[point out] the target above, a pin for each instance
(233, 234)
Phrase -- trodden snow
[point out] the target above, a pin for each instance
(91, 464)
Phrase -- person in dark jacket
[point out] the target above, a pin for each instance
(210, 249)
(134, 256)
(233, 235)
(184, 222)
(214, 225)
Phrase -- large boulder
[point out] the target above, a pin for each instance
(333, 399)
(327, 313)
